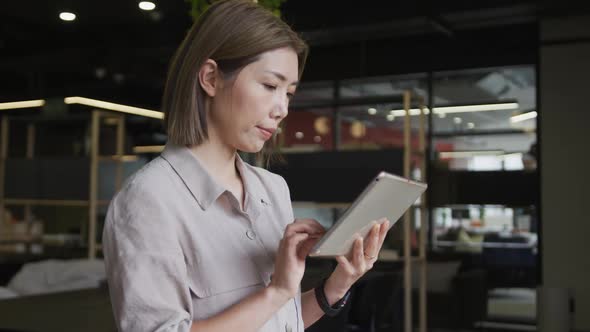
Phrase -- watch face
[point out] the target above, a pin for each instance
(343, 300)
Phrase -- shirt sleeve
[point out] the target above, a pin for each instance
(146, 270)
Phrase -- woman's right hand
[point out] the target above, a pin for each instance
(298, 240)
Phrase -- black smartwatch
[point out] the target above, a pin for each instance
(320, 296)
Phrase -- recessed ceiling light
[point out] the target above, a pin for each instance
(119, 78)
(67, 16)
(413, 111)
(471, 125)
(457, 120)
(100, 72)
(390, 117)
(372, 111)
(147, 5)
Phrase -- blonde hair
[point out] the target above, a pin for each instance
(233, 33)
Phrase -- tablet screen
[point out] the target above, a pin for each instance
(386, 196)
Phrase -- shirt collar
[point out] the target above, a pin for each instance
(205, 189)
(256, 195)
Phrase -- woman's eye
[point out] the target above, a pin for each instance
(270, 87)
(290, 95)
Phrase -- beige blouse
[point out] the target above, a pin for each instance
(178, 247)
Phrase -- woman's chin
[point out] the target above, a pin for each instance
(251, 148)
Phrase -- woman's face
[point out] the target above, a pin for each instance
(246, 114)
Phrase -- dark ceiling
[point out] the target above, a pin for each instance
(115, 51)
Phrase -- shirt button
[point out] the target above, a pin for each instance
(251, 235)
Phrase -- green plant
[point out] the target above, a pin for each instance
(199, 6)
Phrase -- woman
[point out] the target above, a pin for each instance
(198, 240)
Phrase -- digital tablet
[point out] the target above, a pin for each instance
(386, 196)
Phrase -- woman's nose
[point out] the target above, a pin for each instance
(281, 108)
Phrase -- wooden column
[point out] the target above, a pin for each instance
(423, 220)
(3, 155)
(120, 152)
(407, 219)
(93, 190)
(30, 153)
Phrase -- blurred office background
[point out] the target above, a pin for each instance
(497, 244)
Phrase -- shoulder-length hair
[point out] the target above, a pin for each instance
(233, 33)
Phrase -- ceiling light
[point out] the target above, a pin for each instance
(358, 129)
(67, 16)
(118, 78)
(22, 104)
(442, 111)
(322, 125)
(457, 120)
(147, 5)
(476, 108)
(372, 111)
(413, 111)
(471, 125)
(390, 117)
(523, 117)
(114, 107)
(100, 72)
(467, 154)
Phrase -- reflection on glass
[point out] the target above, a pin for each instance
(497, 131)
(375, 127)
(380, 125)
(487, 152)
(314, 91)
(305, 131)
(383, 86)
(324, 214)
(329, 115)
(470, 228)
(497, 86)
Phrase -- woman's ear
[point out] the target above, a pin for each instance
(209, 77)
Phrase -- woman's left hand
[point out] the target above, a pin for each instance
(361, 259)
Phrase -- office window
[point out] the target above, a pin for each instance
(307, 130)
(485, 119)
(376, 120)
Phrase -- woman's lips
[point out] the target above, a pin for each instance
(266, 132)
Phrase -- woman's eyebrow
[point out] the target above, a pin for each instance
(281, 76)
